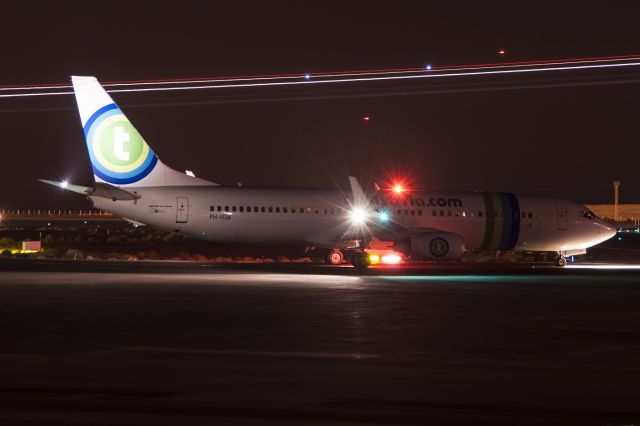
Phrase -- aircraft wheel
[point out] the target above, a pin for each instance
(361, 260)
(560, 261)
(335, 257)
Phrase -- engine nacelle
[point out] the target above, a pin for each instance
(436, 246)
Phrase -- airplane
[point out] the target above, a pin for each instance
(133, 183)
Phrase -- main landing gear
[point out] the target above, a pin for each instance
(560, 261)
(361, 260)
(334, 257)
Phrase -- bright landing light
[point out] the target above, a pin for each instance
(388, 258)
(391, 259)
(64, 184)
(358, 216)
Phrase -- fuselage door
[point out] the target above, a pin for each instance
(182, 209)
(563, 218)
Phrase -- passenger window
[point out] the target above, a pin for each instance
(226, 209)
(308, 209)
(457, 213)
(441, 212)
(316, 210)
(406, 212)
(248, 209)
(219, 208)
(464, 214)
(479, 213)
(399, 212)
(530, 215)
(434, 213)
(277, 209)
(270, 209)
(263, 209)
(419, 212)
(471, 213)
(448, 212)
(413, 212)
(293, 209)
(211, 208)
(241, 209)
(233, 208)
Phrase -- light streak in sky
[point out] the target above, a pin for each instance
(329, 74)
(333, 78)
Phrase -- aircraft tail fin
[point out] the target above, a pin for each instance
(119, 155)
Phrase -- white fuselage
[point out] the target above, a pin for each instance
(320, 217)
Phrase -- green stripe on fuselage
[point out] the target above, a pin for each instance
(489, 220)
(494, 220)
(498, 225)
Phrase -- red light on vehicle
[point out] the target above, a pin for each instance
(366, 118)
(398, 188)
(501, 52)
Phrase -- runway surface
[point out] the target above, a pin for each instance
(131, 343)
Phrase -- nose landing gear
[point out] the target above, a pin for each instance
(560, 261)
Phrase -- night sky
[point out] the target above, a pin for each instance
(562, 141)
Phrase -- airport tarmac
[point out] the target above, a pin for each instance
(168, 343)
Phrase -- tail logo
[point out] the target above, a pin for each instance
(118, 153)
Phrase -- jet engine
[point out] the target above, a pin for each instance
(435, 246)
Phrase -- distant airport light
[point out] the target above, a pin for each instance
(64, 184)
(501, 52)
(366, 118)
(307, 76)
(391, 259)
(428, 67)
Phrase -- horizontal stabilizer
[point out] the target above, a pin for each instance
(85, 190)
(102, 190)
(133, 222)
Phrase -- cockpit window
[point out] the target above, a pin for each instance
(587, 214)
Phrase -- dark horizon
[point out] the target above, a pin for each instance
(562, 141)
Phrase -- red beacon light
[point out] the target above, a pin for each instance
(398, 189)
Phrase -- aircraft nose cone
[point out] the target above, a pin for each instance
(607, 230)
